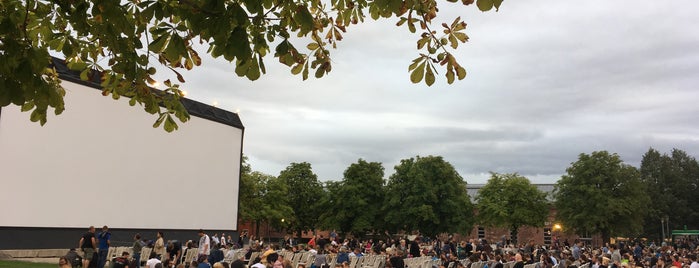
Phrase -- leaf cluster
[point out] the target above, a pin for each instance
(125, 43)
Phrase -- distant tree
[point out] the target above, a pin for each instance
(129, 41)
(511, 201)
(262, 198)
(305, 193)
(672, 182)
(354, 204)
(601, 194)
(250, 194)
(277, 209)
(427, 194)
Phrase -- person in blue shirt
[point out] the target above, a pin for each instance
(103, 240)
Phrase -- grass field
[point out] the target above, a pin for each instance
(21, 264)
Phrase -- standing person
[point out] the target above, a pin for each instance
(174, 250)
(204, 244)
(223, 241)
(88, 244)
(214, 240)
(159, 246)
(136, 248)
(104, 239)
(242, 238)
(415, 247)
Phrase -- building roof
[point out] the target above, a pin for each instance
(194, 108)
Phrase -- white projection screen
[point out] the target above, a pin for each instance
(102, 163)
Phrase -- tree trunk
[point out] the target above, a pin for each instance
(514, 232)
(605, 237)
(257, 228)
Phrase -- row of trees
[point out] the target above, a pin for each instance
(599, 194)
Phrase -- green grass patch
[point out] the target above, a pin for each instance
(22, 264)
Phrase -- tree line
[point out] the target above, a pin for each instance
(598, 194)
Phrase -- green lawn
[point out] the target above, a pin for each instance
(21, 264)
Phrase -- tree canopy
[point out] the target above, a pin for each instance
(304, 195)
(601, 194)
(427, 194)
(510, 200)
(354, 204)
(127, 42)
(671, 182)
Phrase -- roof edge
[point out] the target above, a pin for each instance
(194, 108)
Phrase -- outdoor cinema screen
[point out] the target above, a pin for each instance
(102, 163)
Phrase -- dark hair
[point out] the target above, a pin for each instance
(159, 265)
(152, 255)
(202, 258)
(237, 264)
(137, 236)
(271, 258)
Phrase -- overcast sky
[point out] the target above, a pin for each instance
(547, 80)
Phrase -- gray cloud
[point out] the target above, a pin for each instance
(547, 81)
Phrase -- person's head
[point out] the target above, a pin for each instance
(63, 261)
(194, 264)
(218, 265)
(272, 257)
(159, 234)
(159, 265)
(152, 255)
(238, 264)
(91, 229)
(125, 254)
(518, 257)
(105, 228)
(201, 232)
(137, 236)
(203, 259)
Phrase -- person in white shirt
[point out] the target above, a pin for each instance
(223, 240)
(694, 264)
(204, 244)
(215, 240)
(152, 260)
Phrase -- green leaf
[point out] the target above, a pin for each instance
(304, 19)
(312, 46)
(297, 68)
(159, 121)
(175, 48)
(429, 76)
(497, 4)
(170, 124)
(158, 44)
(253, 70)
(239, 45)
(417, 74)
(27, 106)
(460, 72)
(485, 5)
